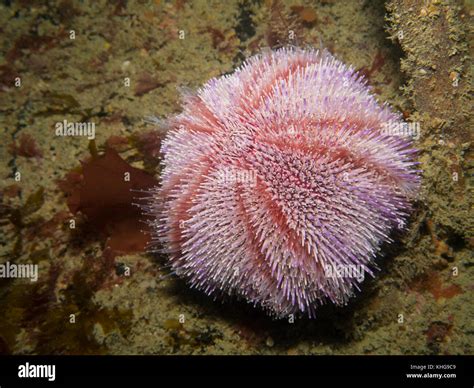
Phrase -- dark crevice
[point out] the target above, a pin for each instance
(245, 28)
(456, 241)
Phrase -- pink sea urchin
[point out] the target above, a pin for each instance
(278, 177)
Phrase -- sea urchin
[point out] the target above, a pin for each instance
(278, 177)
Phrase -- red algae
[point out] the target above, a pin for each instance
(104, 191)
(433, 284)
(26, 147)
